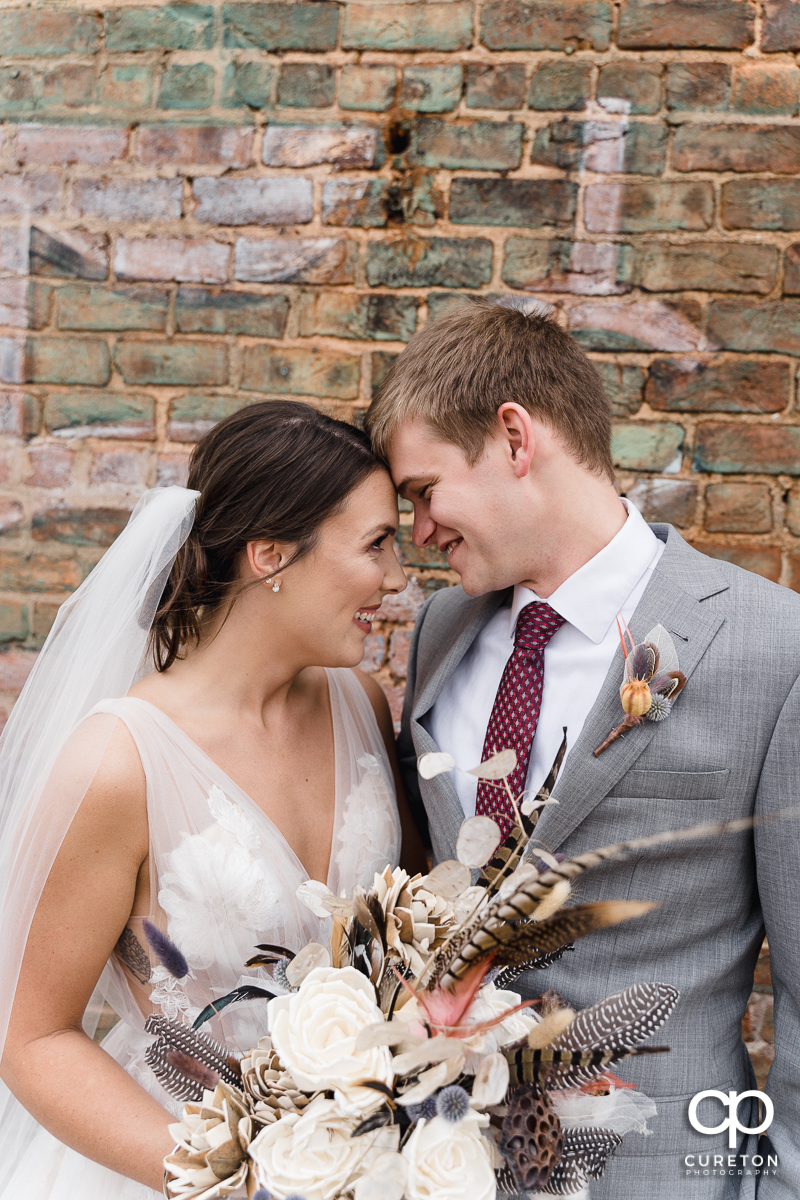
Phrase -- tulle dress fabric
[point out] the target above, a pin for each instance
(222, 878)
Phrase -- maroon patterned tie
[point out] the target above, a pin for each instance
(515, 713)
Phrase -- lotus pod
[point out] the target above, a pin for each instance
(531, 1141)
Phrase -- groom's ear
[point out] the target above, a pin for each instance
(263, 558)
(517, 429)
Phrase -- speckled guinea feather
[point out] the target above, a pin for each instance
(584, 1156)
(171, 1036)
(625, 1019)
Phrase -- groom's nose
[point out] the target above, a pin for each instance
(424, 527)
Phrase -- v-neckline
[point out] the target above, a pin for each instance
(231, 783)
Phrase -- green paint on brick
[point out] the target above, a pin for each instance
(306, 85)
(367, 88)
(535, 264)
(648, 207)
(442, 302)
(381, 365)
(428, 26)
(40, 573)
(437, 262)
(708, 266)
(40, 297)
(300, 372)
(772, 325)
(359, 202)
(773, 148)
(431, 89)
(48, 31)
(529, 202)
(80, 527)
(740, 449)
(192, 363)
(68, 84)
(17, 96)
(126, 87)
(546, 24)
(187, 86)
(14, 623)
(474, 145)
(106, 414)
(571, 144)
(247, 84)
(761, 204)
(198, 310)
(417, 556)
(781, 26)
(193, 415)
(623, 384)
(170, 27)
(381, 318)
(689, 24)
(695, 384)
(762, 560)
(490, 86)
(638, 83)
(295, 26)
(636, 446)
(702, 85)
(560, 86)
(66, 360)
(116, 308)
(766, 90)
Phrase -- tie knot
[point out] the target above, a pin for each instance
(536, 624)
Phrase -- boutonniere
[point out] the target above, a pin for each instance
(651, 680)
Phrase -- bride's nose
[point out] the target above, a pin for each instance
(395, 578)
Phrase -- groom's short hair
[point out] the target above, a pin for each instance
(457, 371)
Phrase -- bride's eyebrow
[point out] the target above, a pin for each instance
(381, 532)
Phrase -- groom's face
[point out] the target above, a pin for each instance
(461, 508)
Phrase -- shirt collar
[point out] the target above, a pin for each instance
(591, 598)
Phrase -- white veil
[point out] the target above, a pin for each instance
(97, 649)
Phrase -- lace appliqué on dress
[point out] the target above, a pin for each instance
(168, 994)
(368, 828)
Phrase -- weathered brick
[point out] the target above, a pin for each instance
(648, 207)
(282, 201)
(711, 266)
(14, 623)
(44, 615)
(169, 27)
(473, 145)
(79, 526)
(68, 254)
(738, 148)
(16, 665)
(24, 195)
(737, 449)
(428, 26)
(105, 415)
(39, 298)
(638, 83)
(529, 202)
(431, 89)
(760, 204)
(283, 26)
(705, 85)
(12, 359)
(584, 268)
(166, 363)
(623, 384)
(38, 573)
(405, 605)
(381, 318)
(119, 468)
(67, 360)
(345, 146)
(36, 31)
(399, 647)
(18, 86)
(195, 259)
(437, 262)
(699, 385)
(793, 513)
(766, 89)
(70, 85)
(690, 24)
(542, 25)
(172, 470)
(381, 365)
(417, 556)
(206, 145)
(750, 325)
(186, 85)
(359, 202)
(126, 86)
(499, 85)
(192, 416)
(127, 199)
(70, 144)
(12, 516)
(602, 146)
(51, 466)
(763, 560)
(300, 372)
(636, 446)
(781, 25)
(306, 85)
(198, 310)
(738, 508)
(14, 303)
(85, 306)
(374, 653)
(791, 274)
(671, 501)
(367, 88)
(294, 260)
(642, 325)
(560, 86)
(247, 84)
(14, 242)
(19, 413)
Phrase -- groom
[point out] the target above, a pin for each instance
(497, 429)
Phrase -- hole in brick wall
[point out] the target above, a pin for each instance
(398, 137)
(393, 204)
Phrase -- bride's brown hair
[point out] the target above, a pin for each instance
(272, 471)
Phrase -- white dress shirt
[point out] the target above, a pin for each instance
(576, 660)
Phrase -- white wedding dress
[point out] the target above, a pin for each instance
(223, 878)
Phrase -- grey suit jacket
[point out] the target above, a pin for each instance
(729, 749)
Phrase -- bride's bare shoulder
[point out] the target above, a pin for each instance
(103, 741)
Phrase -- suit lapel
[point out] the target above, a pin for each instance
(672, 598)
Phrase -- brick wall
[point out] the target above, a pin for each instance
(206, 204)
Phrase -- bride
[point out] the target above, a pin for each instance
(191, 746)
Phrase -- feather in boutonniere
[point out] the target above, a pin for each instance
(651, 680)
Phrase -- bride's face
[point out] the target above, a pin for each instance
(334, 592)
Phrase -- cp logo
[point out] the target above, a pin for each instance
(731, 1122)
